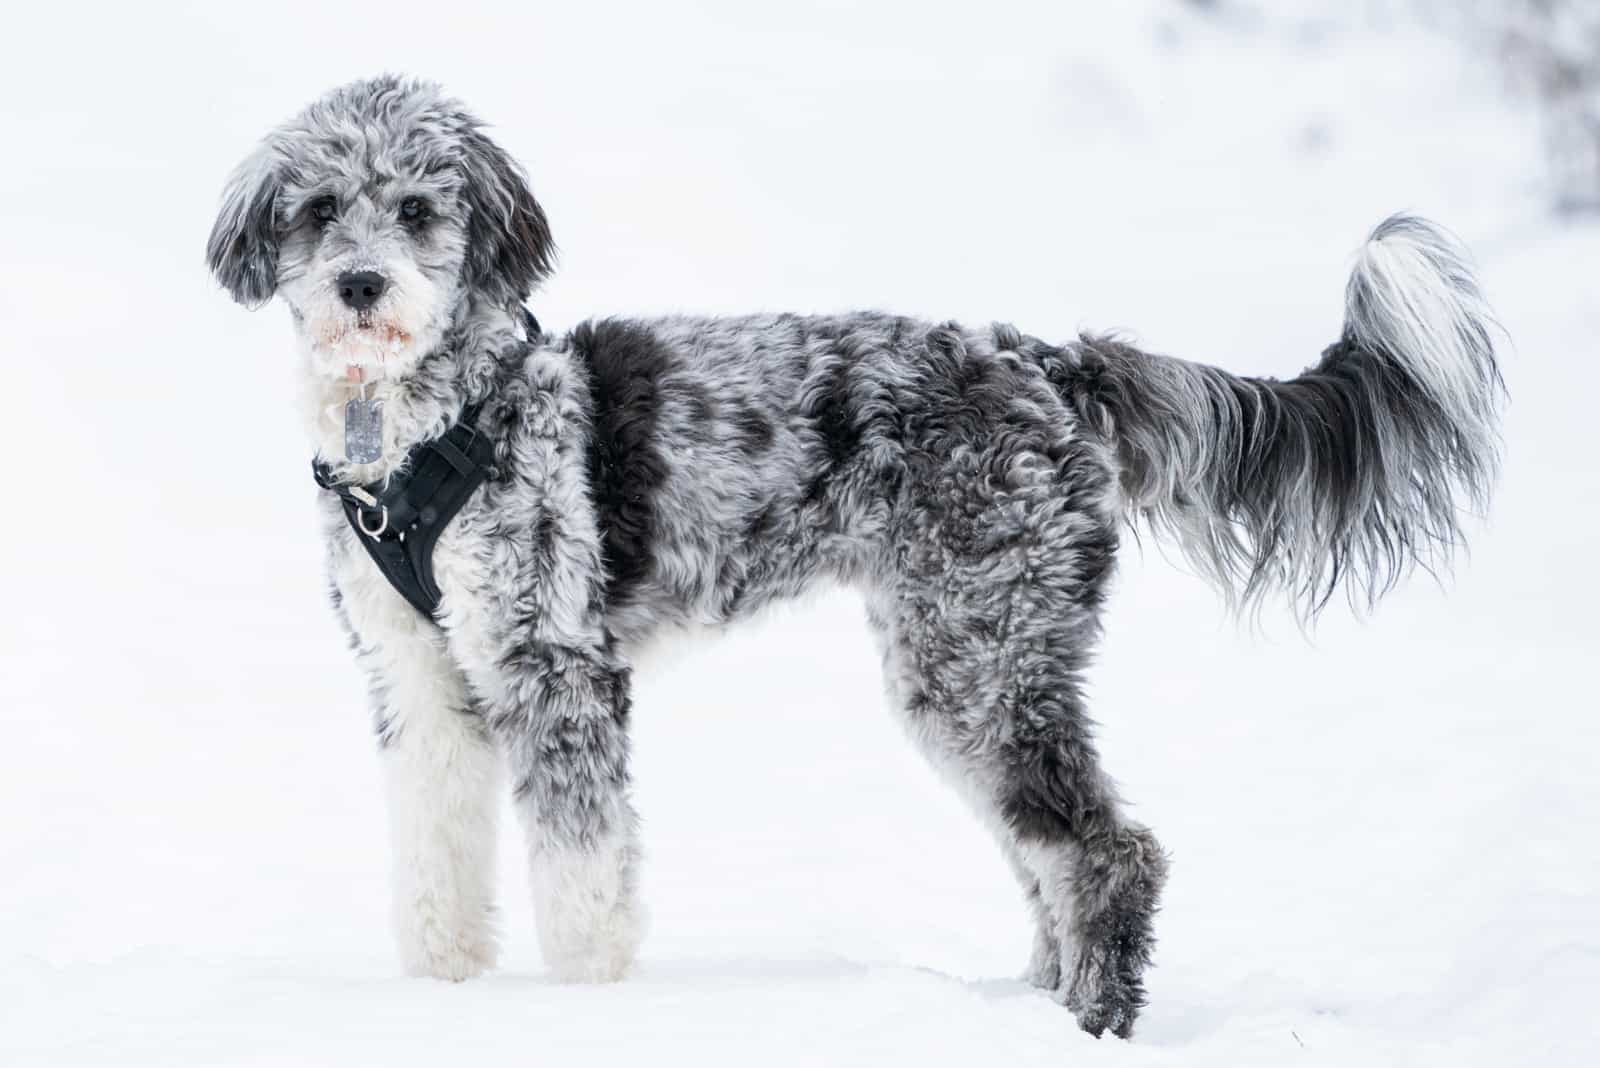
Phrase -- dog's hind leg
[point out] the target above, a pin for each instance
(988, 615)
(562, 717)
(440, 772)
(1017, 746)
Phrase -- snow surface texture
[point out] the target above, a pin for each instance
(1383, 841)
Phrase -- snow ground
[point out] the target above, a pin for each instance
(1383, 840)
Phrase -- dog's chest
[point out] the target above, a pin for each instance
(375, 609)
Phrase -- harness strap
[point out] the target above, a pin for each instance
(398, 521)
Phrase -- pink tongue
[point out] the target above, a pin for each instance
(352, 373)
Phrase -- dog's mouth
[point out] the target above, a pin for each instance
(365, 333)
(355, 348)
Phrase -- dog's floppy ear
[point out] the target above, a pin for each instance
(243, 248)
(509, 248)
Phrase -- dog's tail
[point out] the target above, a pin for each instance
(1351, 473)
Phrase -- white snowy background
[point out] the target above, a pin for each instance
(1383, 838)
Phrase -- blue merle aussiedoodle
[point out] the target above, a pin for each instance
(971, 482)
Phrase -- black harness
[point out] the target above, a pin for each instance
(399, 520)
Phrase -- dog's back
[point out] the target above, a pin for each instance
(736, 461)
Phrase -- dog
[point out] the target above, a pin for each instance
(650, 475)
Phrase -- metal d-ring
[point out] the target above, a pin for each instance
(383, 522)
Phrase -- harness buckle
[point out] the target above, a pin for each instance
(383, 522)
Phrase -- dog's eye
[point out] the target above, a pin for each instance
(324, 209)
(413, 209)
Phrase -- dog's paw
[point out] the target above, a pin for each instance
(1103, 982)
(453, 963)
(587, 911)
(449, 947)
(600, 950)
(1104, 987)
(1098, 1019)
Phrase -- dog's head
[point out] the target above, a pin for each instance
(379, 214)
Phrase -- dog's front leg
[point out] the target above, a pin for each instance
(440, 774)
(563, 725)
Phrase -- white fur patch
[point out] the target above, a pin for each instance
(442, 777)
(590, 924)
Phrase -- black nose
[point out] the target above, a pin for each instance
(361, 289)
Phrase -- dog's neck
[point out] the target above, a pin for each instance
(419, 404)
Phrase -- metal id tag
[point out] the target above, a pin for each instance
(363, 430)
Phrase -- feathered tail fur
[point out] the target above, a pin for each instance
(1351, 473)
